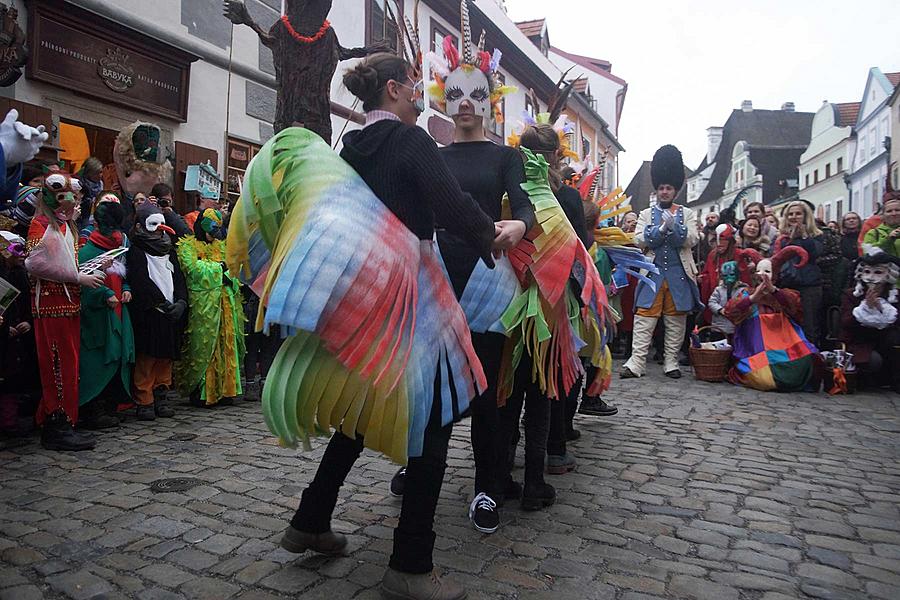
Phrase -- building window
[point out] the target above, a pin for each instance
(875, 196)
(495, 128)
(816, 176)
(806, 180)
(529, 106)
(862, 148)
(438, 34)
(840, 164)
(585, 147)
(379, 26)
(827, 212)
(838, 209)
(827, 170)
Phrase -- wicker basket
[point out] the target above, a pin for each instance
(709, 364)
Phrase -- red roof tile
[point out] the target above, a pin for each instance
(847, 113)
(581, 85)
(894, 78)
(531, 28)
(597, 65)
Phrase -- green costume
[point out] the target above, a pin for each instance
(107, 341)
(880, 237)
(214, 341)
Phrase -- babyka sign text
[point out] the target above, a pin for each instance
(115, 71)
(12, 46)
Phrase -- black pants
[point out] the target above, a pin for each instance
(261, 350)
(487, 442)
(526, 394)
(562, 412)
(414, 535)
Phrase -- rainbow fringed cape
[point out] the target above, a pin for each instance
(563, 312)
(374, 321)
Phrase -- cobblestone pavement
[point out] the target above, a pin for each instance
(694, 490)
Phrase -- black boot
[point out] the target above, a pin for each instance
(161, 406)
(595, 406)
(59, 434)
(146, 413)
(538, 496)
(196, 399)
(95, 416)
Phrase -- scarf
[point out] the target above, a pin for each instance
(107, 242)
(115, 274)
(157, 243)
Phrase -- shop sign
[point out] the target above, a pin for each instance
(88, 54)
(13, 54)
(203, 178)
(115, 71)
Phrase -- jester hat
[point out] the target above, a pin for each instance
(468, 74)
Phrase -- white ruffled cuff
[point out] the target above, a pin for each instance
(877, 318)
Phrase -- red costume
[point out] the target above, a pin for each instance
(56, 306)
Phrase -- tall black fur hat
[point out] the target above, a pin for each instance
(667, 167)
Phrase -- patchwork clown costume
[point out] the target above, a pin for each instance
(771, 352)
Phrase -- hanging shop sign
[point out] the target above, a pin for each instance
(82, 51)
(13, 53)
(203, 178)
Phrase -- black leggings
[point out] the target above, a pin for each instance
(526, 394)
(487, 441)
(562, 412)
(414, 535)
(261, 350)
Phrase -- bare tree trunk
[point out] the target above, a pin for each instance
(304, 73)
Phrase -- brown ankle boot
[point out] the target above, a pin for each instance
(397, 585)
(330, 543)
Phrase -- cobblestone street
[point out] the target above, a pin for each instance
(694, 490)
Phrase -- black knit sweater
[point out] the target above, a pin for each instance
(487, 172)
(401, 164)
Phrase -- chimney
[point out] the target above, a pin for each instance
(788, 107)
(747, 106)
(713, 141)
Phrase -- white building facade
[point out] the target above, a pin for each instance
(210, 87)
(868, 153)
(825, 164)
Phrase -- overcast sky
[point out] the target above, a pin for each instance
(688, 64)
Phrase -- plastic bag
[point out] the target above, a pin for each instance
(54, 257)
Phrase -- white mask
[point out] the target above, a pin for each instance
(153, 222)
(468, 83)
(764, 267)
(874, 274)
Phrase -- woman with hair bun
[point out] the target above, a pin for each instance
(387, 358)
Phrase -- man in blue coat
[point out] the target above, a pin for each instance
(666, 232)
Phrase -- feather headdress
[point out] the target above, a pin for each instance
(553, 116)
(469, 56)
(408, 44)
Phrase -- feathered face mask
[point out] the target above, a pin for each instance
(468, 84)
(470, 75)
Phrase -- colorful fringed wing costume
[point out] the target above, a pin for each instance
(372, 314)
(563, 313)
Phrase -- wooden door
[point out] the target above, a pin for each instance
(189, 154)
